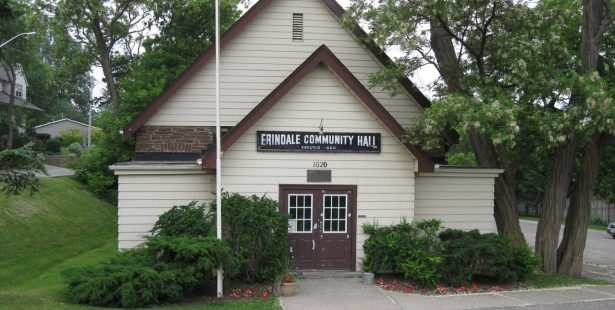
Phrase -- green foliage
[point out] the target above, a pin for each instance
(93, 168)
(411, 248)
(257, 232)
(451, 257)
(54, 145)
(252, 226)
(186, 30)
(597, 222)
(470, 254)
(18, 168)
(70, 136)
(161, 272)
(462, 154)
(187, 220)
(75, 148)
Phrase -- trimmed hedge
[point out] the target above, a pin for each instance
(452, 257)
(160, 272)
(183, 254)
(469, 253)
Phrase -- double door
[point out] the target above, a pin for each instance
(321, 233)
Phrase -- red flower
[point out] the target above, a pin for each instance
(264, 295)
(474, 287)
(287, 279)
(386, 286)
(407, 290)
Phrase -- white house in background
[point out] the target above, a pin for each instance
(302, 127)
(55, 128)
(21, 90)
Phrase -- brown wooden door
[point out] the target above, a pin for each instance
(321, 226)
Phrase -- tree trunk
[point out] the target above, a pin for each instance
(104, 51)
(594, 24)
(505, 205)
(105, 63)
(570, 252)
(10, 72)
(553, 204)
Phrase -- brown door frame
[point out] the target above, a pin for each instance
(353, 209)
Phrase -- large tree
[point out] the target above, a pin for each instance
(102, 26)
(12, 24)
(186, 29)
(510, 72)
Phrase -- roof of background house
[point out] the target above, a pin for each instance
(19, 102)
(64, 119)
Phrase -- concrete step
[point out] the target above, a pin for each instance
(329, 274)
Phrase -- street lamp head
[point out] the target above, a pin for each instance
(15, 37)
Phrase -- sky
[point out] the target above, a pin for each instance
(422, 78)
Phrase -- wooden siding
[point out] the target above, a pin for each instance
(385, 181)
(461, 200)
(145, 195)
(262, 56)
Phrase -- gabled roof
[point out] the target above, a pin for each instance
(230, 34)
(63, 120)
(19, 102)
(325, 56)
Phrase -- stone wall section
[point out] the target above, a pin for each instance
(176, 139)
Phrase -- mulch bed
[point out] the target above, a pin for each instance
(396, 283)
(232, 291)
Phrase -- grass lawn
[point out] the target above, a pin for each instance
(539, 280)
(590, 226)
(60, 227)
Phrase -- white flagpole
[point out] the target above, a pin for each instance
(218, 146)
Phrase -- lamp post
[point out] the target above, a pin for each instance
(17, 36)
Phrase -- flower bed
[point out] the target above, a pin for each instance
(397, 283)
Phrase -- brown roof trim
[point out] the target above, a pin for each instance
(451, 135)
(379, 53)
(322, 55)
(231, 33)
(194, 68)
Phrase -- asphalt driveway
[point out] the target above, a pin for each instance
(599, 254)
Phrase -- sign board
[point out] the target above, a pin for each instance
(298, 141)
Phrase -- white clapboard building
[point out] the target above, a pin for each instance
(302, 127)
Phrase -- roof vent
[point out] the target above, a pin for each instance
(297, 27)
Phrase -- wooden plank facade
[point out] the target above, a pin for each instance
(270, 82)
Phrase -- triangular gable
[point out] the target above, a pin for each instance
(229, 35)
(325, 56)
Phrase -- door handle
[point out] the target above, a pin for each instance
(313, 245)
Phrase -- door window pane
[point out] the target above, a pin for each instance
(335, 210)
(300, 213)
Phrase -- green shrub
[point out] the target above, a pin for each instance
(110, 148)
(470, 254)
(70, 136)
(252, 226)
(412, 249)
(163, 271)
(188, 220)
(257, 232)
(54, 145)
(75, 148)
